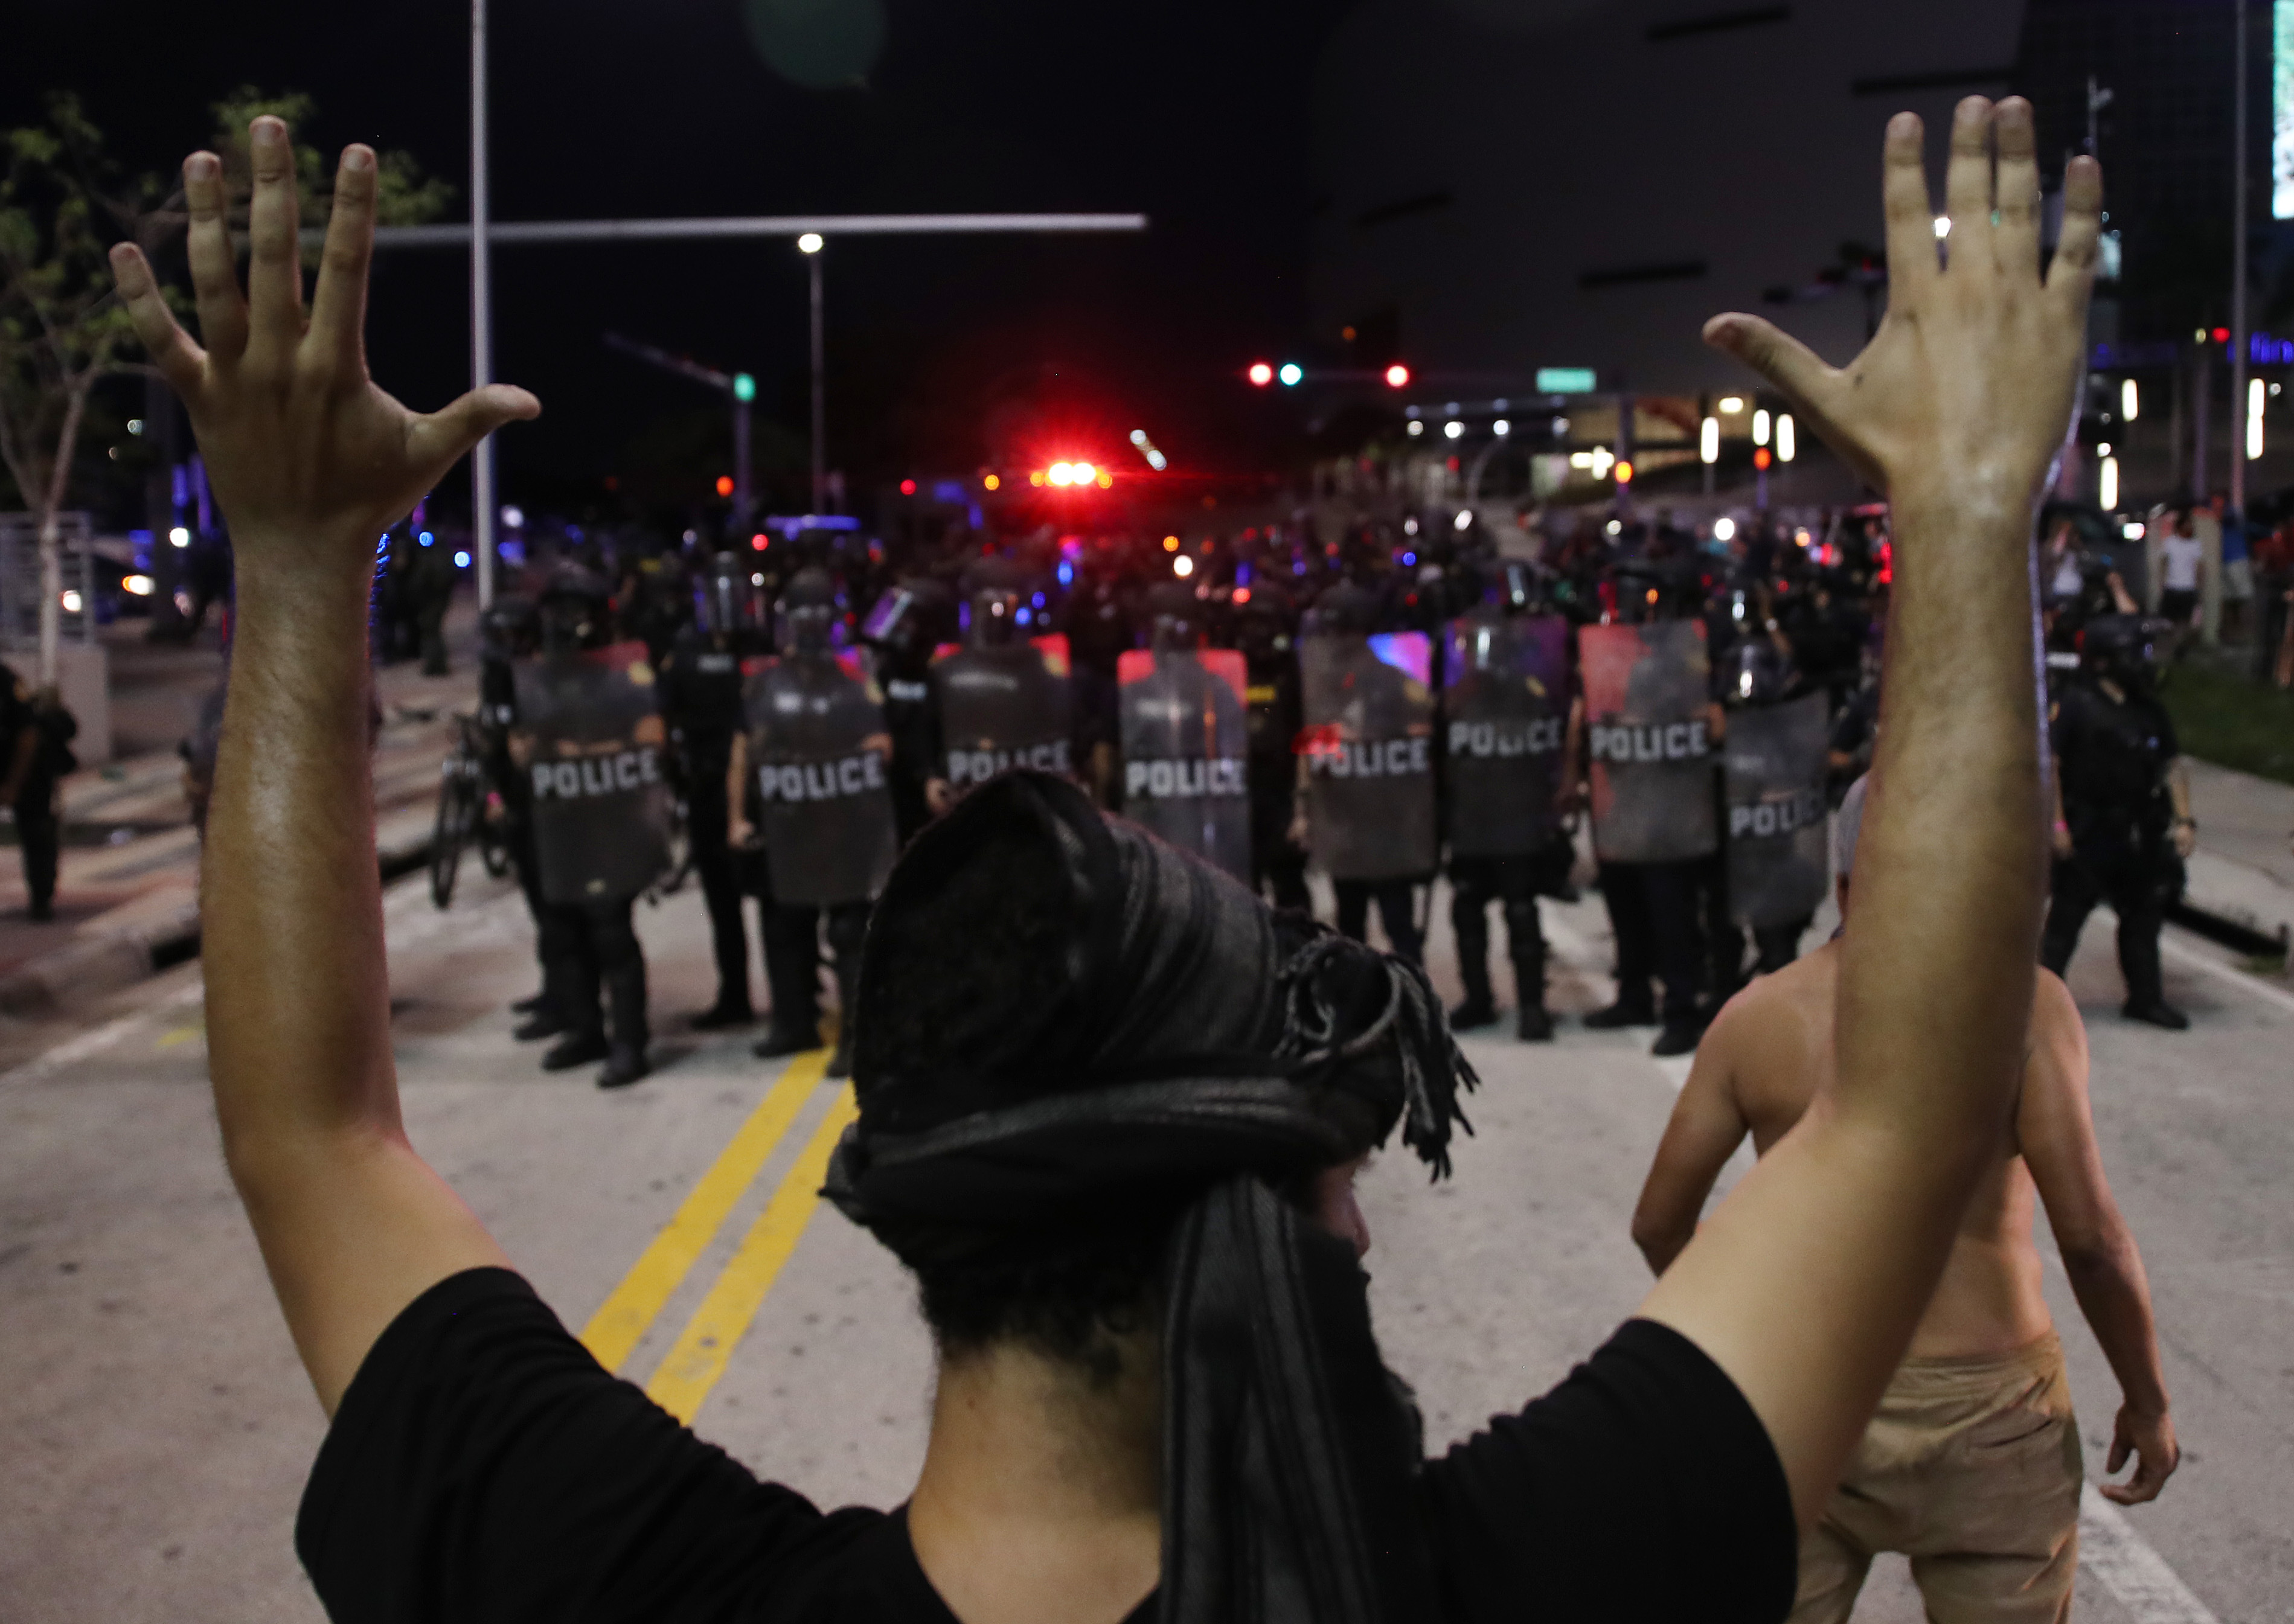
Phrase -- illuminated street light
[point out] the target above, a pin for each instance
(1724, 529)
(809, 243)
(2107, 494)
(1731, 404)
(1182, 565)
(179, 537)
(1453, 428)
(1708, 441)
(1415, 428)
(1501, 428)
(2130, 399)
(1760, 427)
(1788, 441)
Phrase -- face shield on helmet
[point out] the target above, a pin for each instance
(726, 601)
(2123, 649)
(806, 620)
(993, 616)
(575, 613)
(1176, 621)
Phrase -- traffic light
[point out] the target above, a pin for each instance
(1397, 376)
(1290, 374)
(724, 484)
(1261, 374)
(744, 387)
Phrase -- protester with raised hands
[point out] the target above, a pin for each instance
(1114, 1131)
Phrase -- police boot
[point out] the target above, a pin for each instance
(780, 1039)
(1627, 1012)
(625, 996)
(2157, 1012)
(576, 1049)
(1471, 927)
(1525, 938)
(550, 1012)
(723, 1013)
(1677, 1037)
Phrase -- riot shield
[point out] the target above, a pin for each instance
(1648, 733)
(1369, 744)
(820, 760)
(1774, 764)
(601, 803)
(1186, 751)
(1002, 708)
(1505, 705)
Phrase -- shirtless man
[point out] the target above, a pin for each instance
(1971, 1465)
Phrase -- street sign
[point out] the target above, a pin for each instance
(1564, 380)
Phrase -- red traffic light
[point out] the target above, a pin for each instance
(907, 487)
(1261, 374)
(724, 484)
(1397, 376)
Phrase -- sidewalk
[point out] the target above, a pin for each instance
(127, 893)
(2243, 870)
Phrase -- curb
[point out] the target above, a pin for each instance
(94, 966)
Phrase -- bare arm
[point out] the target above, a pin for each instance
(311, 462)
(738, 833)
(2056, 1131)
(1707, 1127)
(1806, 1284)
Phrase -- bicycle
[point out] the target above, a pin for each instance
(469, 807)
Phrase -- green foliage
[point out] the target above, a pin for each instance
(2226, 717)
(403, 194)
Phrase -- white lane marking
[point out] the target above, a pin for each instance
(95, 1040)
(2195, 960)
(2110, 1549)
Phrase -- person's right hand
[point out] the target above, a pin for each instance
(1965, 392)
(741, 835)
(310, 460)
(2150, 1441)
(939, 795)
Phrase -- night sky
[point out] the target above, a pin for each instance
(944, 353)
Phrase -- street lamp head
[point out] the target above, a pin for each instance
(809, 243)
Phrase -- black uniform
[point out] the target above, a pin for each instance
(38, 730)
(701, 701)
(2113, 756)
(1278, 863)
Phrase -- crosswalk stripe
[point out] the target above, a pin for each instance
(2111, 1549)
(693, 1365)
(615, 1330)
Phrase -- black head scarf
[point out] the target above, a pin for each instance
(1179, 1045)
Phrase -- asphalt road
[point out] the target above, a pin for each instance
(157, 1429)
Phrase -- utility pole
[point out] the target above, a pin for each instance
(810, 245)
(482, 309)
(2240, 411)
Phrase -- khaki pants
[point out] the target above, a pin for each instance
(1972, 1469)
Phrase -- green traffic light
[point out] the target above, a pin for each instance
(744, 387)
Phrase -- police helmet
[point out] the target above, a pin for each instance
(809, 613)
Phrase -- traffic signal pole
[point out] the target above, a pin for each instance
(482, 309)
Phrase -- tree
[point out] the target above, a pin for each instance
(63, 202)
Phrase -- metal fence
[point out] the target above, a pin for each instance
(19, 581)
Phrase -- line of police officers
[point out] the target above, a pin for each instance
(805, 757)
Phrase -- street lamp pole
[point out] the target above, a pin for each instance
(2240, 411)
(810, 245)
(482, 309)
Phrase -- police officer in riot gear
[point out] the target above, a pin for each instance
(1774, 870)
(1505, 707)
(811, 783)
(1181, 721)
(1653, 746)
(908, 623)
(509, 629)
(999, 702)
(1268, 636)
(2123, 823)
(601, 837)
(701, 701)
(1366, 779)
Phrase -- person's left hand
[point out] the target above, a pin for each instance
(2149, 1440)
(310, 460)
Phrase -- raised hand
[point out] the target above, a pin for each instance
(1969, 384)
(308, 458)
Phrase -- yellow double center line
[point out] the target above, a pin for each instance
(698, 1357)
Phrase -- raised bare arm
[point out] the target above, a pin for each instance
(1806, 1284)
(311, 462)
